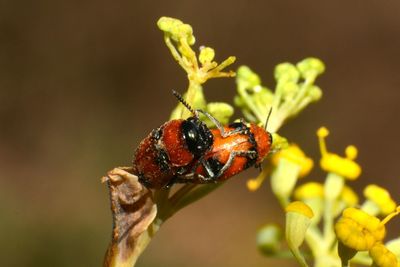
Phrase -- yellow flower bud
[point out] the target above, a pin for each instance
(382, 257)
(381, 198)
(295, 155)
(330, 162)
(348, 196)
(255, 183)
(359, 230)
(309, 190)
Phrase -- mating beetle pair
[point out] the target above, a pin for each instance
(187, 151)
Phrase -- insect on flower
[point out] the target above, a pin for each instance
(187, 151)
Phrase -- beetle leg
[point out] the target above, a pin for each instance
(214, 120)
(249, 154)
(194, 177)
(221, 129)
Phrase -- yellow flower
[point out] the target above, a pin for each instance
(295, 155)
(382, 257)
(348, 196)
(381, 198)
(309, 190)
(334, 163)
(359, 230)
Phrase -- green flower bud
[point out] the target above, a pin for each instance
(248, 77)
(239, 102)
(289, 89)
(184, 30)
(176, 29)
(310, 67)
(166, 24)
(221, 111)
(269, 238)
(315, 93)
(286, 72)
(279, 143)
(207, 55)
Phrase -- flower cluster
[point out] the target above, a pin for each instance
(358, 234)
(179, 38)
(294, 90)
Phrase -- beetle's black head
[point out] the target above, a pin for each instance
(197, 136)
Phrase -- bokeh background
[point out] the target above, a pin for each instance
(82, 82)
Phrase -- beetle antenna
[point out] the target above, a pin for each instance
(180, 98)
(267, 120)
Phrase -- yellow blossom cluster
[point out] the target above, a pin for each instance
(314, 216)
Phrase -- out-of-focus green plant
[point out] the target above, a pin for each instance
(356, 237)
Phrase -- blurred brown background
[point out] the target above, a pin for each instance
(82, 82)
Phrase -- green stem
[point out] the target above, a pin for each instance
(193, 88)
(287, 107)
(249, 103)
(332, 189)
(196, 193)
(175, 53)
(314, 240)
(181, 192)
(299, 257)
(188, 53)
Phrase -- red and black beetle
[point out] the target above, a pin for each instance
(187, 151)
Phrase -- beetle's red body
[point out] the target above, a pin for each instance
(168, 151)
(148, 163)
(187, 151)
(253, 139)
